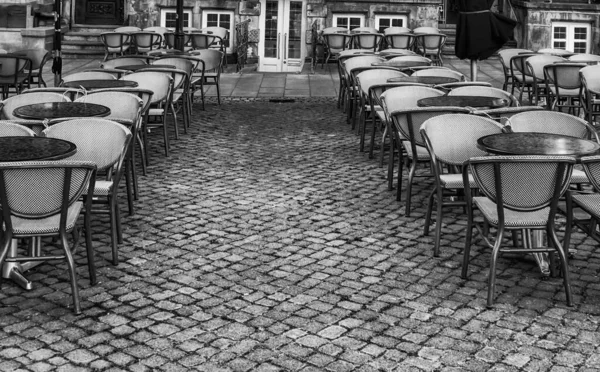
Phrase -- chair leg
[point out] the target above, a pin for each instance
(411, 175)
(174, 113)
(384, 135)
(372, 140)
(390, 171)
(113, 231)
(129, 180)
(564, 267)
(468, 238)
(493, 262)
(438, 223)
(166, 132)
(428, 212)
(89, 248)
(72, 273)
(218, 92)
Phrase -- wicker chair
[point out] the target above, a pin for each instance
(161, 84)
(535, 66)
(400, 40)
(366, 108)
(590, 81)
(521, 78)
(563, 85)
(88, 75)
(14, 73)
(592, 59)
(507, 206)
(588, 202)
(396, 99)
(115, 43)
(444, 72)
(145, 41)
(105, 143)
(126, 109)
(39, 58)
(43, 199)
(431, 45)
(367, 41)
(334, 43)
(207, 73)
(504, 56)
(12, 129)
(349, 90)
(451, 140)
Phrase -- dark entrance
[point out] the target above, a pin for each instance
(450, 12)
(100, 12)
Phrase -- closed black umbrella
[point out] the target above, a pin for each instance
(56, 47)
(480, 32)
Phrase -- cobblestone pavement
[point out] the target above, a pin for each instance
(268, 242)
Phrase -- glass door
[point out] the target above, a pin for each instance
(283, 29)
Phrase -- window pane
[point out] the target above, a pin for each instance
(580, 33)
(383, 24)
(398, 22)
(560, 32)
(580, 47)
(354, 23)
(225, 21)
(560, 45)
(170, 19)
(342, 22)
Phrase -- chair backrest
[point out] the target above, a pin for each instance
(553, 122)
(485, 91)
(145, 40)
(591, 166)
(116, 42)
(12, 65)
(10, 129)
(336, 42)
(460, 84)
(399, 40)
(563, 75)
(408, 121)
(506, 54)
(360, 61)
(184, 64)
(124, 106)
(221, 32)
(158, 29)
(554, 51)
(364, 30)
(42, 188)
(375, 76)
(169, 39)
(502, 115)
(590, 78)
(517, 65)
(100, 141)
(452, 139)
(144, 94)
(328, 30)
(396, 30)
(508, 180)
(406, 97)
(158, 82)
(89, 75)
(70, 93)
(535, 64)
(367, 41)
(431, 42)
(426, 30)
(127, 29)
(11, 103)
(123, 61)
(585, 57)
(203, 41)
(395, 52)
(212, 59)
(442, 72)
(38, 57)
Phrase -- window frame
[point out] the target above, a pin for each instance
(219, 12)
(570, 35)
(165, 10)
(391, 17)
(336, 16)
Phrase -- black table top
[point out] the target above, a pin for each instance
(100, 84)
(54, 110)
(530, 143)
(464, 101)
(400, 64)
(432, 80)
(141, 67)
(34, 148)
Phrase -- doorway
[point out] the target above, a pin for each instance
(104, 12)
(449, 12)
(282, 37)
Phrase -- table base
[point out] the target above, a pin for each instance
(14, 270)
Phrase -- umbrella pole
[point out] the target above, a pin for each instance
(473, 70)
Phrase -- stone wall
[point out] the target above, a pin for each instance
(534, 30)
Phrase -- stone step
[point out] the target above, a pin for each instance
(80, 35)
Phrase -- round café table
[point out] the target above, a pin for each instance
(18, 149)
(430, 80)
(399, 64)
(54, 110)
(464, 101)
(142, 67)
(100, 84)
(528, 143)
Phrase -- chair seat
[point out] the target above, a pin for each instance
(118, 49)
(381, 115)
(422, 153)
(579, 176)
(48, 225)
(528, 79)
(455, 181)
(103, 188)
(156, 112)
(511, 218)
(565, 92)
(588, 202)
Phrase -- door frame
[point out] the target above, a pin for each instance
(281, 63)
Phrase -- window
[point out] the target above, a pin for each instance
(574, 37)
(219, 18)
(349, 21)
(390, 20)
(168, 16)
